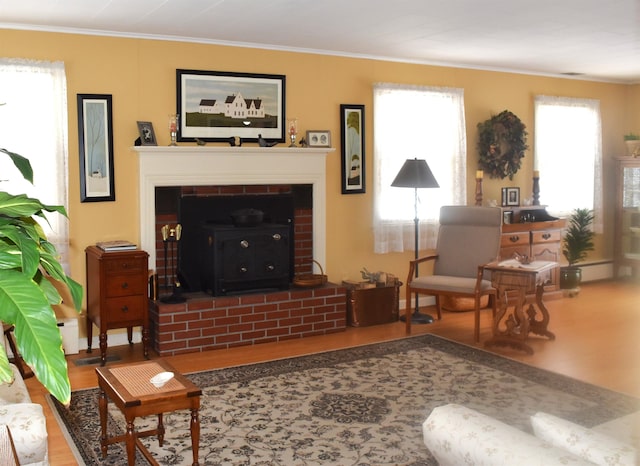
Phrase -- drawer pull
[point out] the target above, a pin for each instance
(514, 238)
(277, 237)
(125, 285)
(125, 309)
(243, 269)
(244, 244)
(546, 235)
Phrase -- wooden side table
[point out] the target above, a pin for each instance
(117, 295)
(129, 387)
(527, 281)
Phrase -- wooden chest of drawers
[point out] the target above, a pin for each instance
(538, 240)
(117, 293)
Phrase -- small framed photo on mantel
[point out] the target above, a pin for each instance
(147, 135)
(319, 138)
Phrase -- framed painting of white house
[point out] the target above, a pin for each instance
(219, 105)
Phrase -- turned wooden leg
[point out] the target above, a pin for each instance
(103, 348)
(131, 442)
(160, 430)
(102, 406)
(89, 334)
(145, 342)
(195, 435)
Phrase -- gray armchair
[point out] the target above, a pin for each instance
(468, 238)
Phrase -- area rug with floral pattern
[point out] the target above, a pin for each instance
(357, 406)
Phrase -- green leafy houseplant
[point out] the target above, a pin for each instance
(577, 242)
(28, 265)
(578, 239)
(632, 137)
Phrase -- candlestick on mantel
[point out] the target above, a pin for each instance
(478, 190)
(479, 174)
(536, 187)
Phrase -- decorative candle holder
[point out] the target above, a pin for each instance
(293, 131)
(173, 128)
(536, 189)
(479, 176)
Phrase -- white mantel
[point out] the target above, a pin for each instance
(217, 166)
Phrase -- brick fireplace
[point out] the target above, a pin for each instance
(206, 322)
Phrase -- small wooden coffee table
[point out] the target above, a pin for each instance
(129, 387)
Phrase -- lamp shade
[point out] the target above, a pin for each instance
(415, 173)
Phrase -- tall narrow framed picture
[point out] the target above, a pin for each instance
(219, 105)
(353, 153)
(95, 138)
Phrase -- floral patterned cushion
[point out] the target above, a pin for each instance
(28, 430)
(457, 435)
(586, 443)
(15, 392)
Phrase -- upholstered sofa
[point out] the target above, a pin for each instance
(456, 435)
(26, 422)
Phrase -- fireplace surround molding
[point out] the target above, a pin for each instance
(161, 166)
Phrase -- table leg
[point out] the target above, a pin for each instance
(160, 430)
(130, 335)
(103, 348)
(516, 325)
(539, 327)
(145, 342)
(195, 435)
(89, 334)
(131, 441)
(102, 406)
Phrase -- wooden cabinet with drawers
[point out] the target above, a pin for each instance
(117, 293)
(537, 240)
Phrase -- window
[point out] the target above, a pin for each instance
(568, 155)
(416, 122)
(33, 118)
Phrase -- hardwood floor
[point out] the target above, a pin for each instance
(597, 341)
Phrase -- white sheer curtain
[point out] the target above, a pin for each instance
(416, 122)
(33, 122)
(568, 155)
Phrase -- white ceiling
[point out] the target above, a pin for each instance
(596, 39)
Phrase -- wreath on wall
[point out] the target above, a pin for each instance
(502, 140)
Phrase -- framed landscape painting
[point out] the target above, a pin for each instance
(219, 105)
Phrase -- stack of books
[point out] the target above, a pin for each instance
(116, 245)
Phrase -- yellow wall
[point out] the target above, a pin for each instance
(140, 75)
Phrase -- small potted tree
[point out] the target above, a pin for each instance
(577, 242)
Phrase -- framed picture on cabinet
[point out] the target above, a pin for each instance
(95, 139)
(510, 197)
(219, 105)
(353, 153)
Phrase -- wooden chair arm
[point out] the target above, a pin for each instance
(415, 262)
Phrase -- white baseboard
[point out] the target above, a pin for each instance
(597, 271)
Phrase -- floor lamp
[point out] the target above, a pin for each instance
(416, 174)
